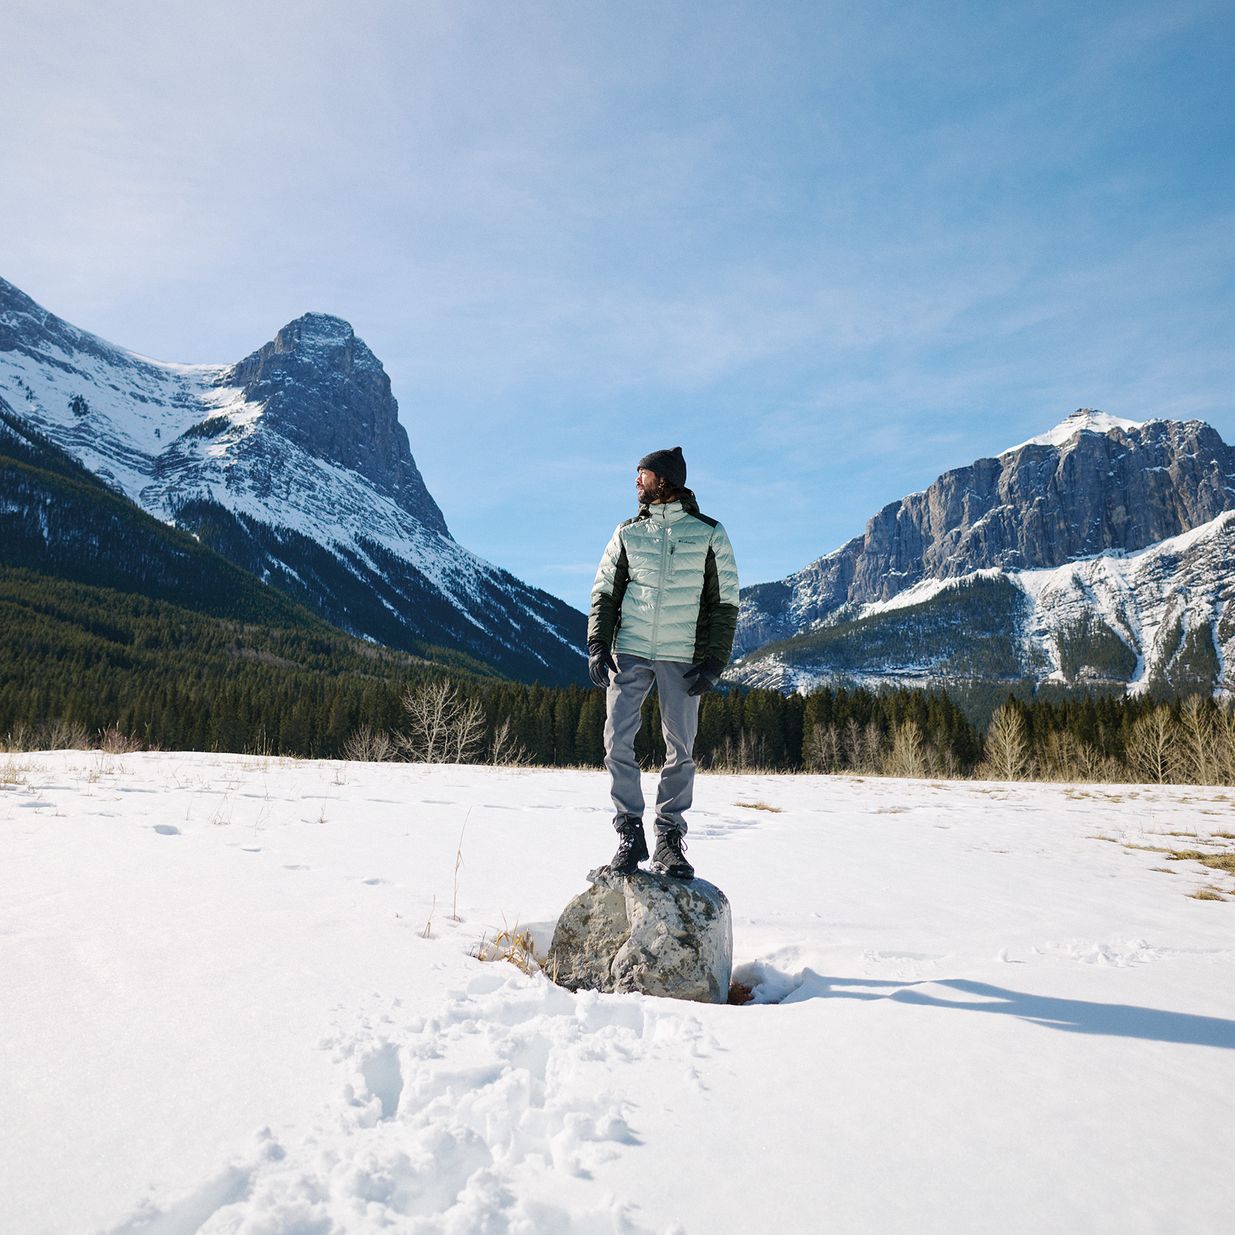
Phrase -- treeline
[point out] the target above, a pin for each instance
(81, 664)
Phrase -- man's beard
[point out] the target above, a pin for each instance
(650, 493)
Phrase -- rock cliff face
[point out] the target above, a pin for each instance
(323, 390)
(1093, 485)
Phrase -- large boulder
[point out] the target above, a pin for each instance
(646, 933)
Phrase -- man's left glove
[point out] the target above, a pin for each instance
(600, 664)
(705, 675)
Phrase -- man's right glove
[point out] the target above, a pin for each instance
(705, 675)
(600, 664)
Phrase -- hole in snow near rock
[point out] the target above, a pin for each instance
(384, 1077)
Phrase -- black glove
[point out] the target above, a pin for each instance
(705, 674)
(600, 664)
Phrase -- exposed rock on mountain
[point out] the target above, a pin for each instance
(322, 389)
(293, 464)
(1093, 542)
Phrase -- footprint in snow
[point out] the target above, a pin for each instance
(166, 829)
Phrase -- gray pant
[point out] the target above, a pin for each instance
(679, 722)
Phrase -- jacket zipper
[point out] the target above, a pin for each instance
(660, 589)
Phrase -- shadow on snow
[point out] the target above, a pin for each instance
(1071, 1015)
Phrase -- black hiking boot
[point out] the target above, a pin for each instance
(670, 855)
(632, 845)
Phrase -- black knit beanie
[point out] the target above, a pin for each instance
(667, 463)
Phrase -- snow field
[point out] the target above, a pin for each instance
(235, 1000)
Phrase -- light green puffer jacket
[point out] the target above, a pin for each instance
(667, 586)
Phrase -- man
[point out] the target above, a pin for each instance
(664, 610)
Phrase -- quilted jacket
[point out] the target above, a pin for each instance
(667, 586)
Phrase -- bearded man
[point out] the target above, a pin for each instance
(664, 611)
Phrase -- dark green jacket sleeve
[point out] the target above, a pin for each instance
(718, 605)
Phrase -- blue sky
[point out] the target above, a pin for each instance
(829, 249)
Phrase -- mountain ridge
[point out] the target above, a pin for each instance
(1116, 538)
(1035, 505)
(291, 462)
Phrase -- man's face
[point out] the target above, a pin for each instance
(647, 486)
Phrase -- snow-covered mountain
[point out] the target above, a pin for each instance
(293, 464)
(1100, 551)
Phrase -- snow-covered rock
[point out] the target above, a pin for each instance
(1083, 420)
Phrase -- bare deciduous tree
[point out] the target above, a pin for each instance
(1153, 746)
(115, 742)
(823, 749)
(369, 745)
(506, 749)
(1007, 746)
(909, 755)
(1224, 728)
(442, 726)
(1067, 757)
(863, 746)
(1200, 743)
(747, 754)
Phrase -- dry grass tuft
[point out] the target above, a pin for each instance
(114, 741)
(13, 772)
(1208, 893)
(514, 946)
(1215, 861)
(760, 806)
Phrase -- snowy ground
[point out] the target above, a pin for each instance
(219, 1010)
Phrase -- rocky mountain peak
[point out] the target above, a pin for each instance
(321, 388)
(324, 339)
(1083, 420)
